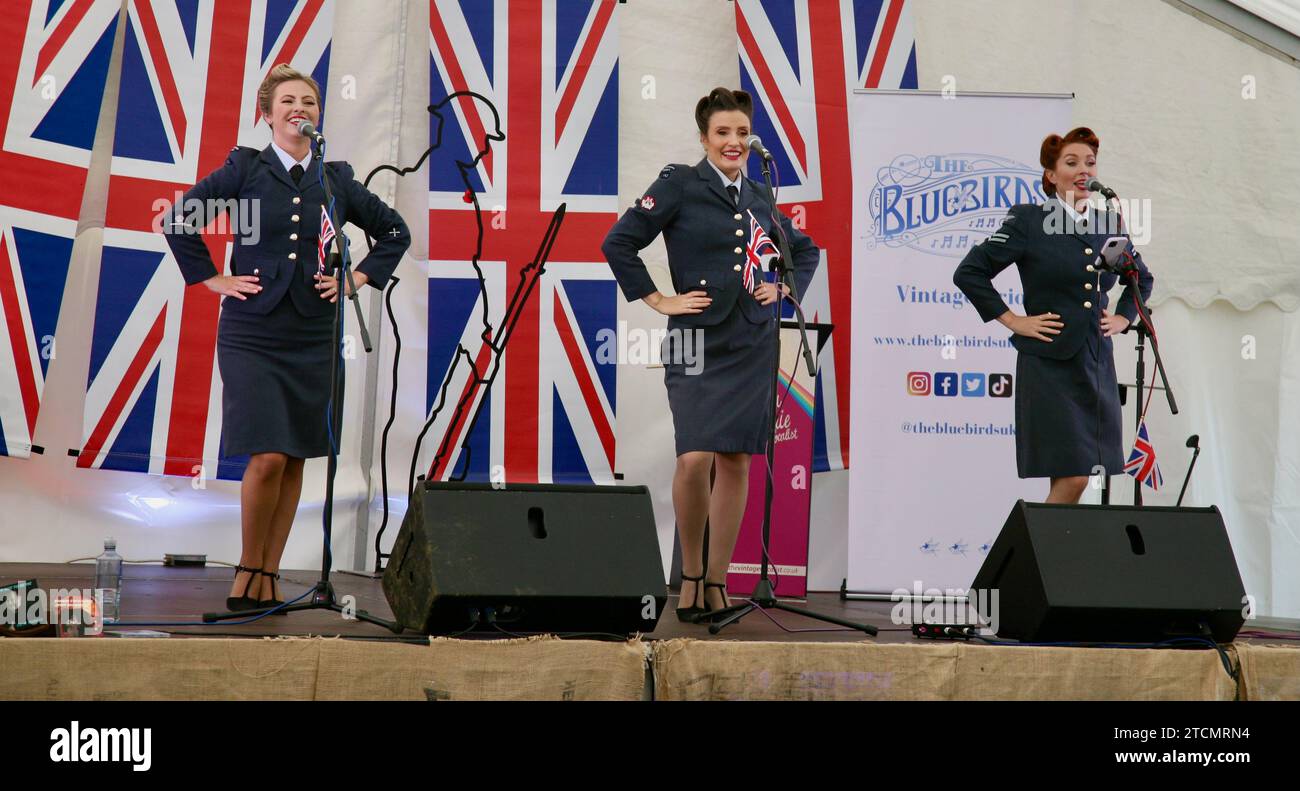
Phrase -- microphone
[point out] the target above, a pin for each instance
(306, 129)
(1094, 185)
(755, 143)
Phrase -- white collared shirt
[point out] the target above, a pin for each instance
(1079, 219)
(726, 182)
(287, 159)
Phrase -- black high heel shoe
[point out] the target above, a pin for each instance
(690, 614)
(708, 612)
(243, 601)
(271, 602)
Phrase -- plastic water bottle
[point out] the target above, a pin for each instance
(108, 578)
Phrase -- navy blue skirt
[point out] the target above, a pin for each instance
(720, 394)
(1068, 417)
(275, 375)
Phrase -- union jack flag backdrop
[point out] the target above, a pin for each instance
(550, 69)
(801, 60)
(54, 60)
(188, 86)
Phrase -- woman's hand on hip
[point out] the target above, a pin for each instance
(234, 285)
(1113, 323)
(1040, 327)
(329, 285)
(766, 293)
(680, 304)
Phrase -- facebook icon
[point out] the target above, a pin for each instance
(945, 383)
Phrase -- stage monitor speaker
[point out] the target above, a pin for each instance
(1108, 573)
(536, 558)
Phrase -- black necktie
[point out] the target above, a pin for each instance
(734, 192)
(296, 172)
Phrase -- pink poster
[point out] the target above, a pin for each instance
(792, 485)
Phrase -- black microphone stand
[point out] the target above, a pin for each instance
(1193, 442)
(323, 596)
(764, 595)
(1141, 332)
(1128, 271)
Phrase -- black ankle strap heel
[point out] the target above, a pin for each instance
(243, 601)
(690, 614)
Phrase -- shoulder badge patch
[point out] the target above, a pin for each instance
(647, 203)
(667, 171)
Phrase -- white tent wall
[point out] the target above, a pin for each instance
(1169, 95)
(1223, 180)
(1234, 374)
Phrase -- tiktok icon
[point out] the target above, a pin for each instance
(999, 385)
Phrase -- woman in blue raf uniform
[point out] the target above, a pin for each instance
(274, 338)
(1068, 419)
(720, 404)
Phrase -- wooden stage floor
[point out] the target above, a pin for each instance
(178, 597)
(173, 600)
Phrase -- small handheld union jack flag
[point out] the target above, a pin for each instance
(1141, 463)
(759, 244)
(326, 236)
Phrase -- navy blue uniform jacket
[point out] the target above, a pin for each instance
(1056, 273)
(284, 256)
(706, 235)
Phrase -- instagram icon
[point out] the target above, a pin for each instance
(918, 383)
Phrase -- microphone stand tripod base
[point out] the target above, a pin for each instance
(764, 598)
(322, 598)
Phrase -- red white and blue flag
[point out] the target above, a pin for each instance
(759, 244)
(323, 243)
(153, 394)
(54, 57)
(54, 65)
(549, 69)
(1141, 462)
(801, 60)
(34, 253)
